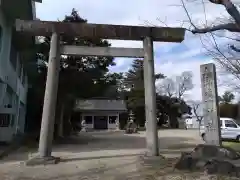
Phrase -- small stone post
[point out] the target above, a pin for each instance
(83, 124)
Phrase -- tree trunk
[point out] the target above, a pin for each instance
(70, 122)
(199, 125)
(173, 122)
(232, 10)
(60, 123)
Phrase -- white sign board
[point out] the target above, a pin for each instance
(210, 102)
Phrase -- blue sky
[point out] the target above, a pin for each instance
(170, 58)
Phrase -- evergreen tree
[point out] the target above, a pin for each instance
(80, 77)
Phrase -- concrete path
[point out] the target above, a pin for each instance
(98, 155)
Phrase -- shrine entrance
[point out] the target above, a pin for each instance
(117, 32)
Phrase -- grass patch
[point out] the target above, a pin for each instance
(233, 145)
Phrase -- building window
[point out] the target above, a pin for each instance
(1, 35)
(12, 120)
(23, 77)
(5, 120)
(13, 56)
(112, 119)
(88, 119)
(20, 70)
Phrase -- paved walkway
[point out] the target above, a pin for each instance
(100, 155)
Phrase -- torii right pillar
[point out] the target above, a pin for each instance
(150, 99)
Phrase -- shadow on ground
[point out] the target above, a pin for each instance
(99, 157)
(117, 141)
(107, 141)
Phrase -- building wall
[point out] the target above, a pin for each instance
(191, 123)
(100, 104)
(110, 125)
(13, 84)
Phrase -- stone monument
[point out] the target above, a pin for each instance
(210, 102)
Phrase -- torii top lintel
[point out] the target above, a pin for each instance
(85, 30)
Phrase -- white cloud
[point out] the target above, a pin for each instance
(137, 12)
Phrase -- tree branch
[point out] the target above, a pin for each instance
(234, 48)
(231, 9)
(228, 26)
(195, 108)
(227, 58)
(170, 94)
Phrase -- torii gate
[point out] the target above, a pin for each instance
(120, 32)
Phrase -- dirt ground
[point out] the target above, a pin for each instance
(105, 155)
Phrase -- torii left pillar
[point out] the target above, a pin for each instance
(50, 98)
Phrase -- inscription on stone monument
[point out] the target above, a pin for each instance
(210, 101)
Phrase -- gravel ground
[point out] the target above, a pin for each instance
(107, 156)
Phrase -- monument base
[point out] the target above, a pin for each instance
(148, 158)
(149, 154)
(211, 159)
(42, 161)
(151, 162)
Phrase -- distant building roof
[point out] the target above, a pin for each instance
(100, 105)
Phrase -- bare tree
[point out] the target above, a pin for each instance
(176, 86)
(197, 111)
(227, 56)
(167, 87)
(184, 83)
(196, 107)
